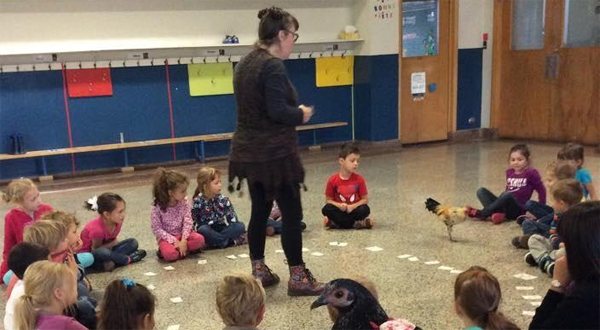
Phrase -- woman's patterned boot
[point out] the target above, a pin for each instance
(302, 282)
(262, 272)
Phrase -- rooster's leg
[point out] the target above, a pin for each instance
(450, 233)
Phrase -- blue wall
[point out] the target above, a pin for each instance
(32, 103)
(470, 63)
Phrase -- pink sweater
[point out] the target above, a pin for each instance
(175, 220)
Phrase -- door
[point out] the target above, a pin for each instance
(427, 45)
(546, 71)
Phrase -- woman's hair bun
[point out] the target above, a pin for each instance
(273, 12)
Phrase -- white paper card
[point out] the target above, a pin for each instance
(404, 256)
(534, 297)
(433, 262)
(173, 327)
(305, 250)
(151, 287)
(278, 251)
(202, 262)
(243, 255)
(231, 257)
(342, 244)
(445, 268)
(150, 274)
(529, 313)
(535, 303)
(524, 288)
(374, 248)
(525, 276)
(333, 243)
(417, 83)
(317, 254)
(176, 300)
(169, 268)
(455, 271)
(413, 259)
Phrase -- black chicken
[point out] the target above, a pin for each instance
(358, 309)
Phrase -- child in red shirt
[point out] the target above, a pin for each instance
(26, 195)
(346, 194)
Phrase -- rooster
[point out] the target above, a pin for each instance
(448, 214)
(357, 307)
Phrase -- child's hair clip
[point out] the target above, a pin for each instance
(128, 282)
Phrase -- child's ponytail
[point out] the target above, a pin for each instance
(497, 321)
(165, 181)
(25, 313)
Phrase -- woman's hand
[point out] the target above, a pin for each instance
(307, 112)
(561, 274)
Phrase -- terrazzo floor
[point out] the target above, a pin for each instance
(399, 181)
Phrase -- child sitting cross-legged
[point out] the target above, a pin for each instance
(543, 251)
(241, 301)
(213, 213)
(346, 194)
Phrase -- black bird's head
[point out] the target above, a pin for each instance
(431, 204)
(338, 293)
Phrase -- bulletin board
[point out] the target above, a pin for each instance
(335, 71)
(210, 79)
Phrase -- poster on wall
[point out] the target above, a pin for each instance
(384, 9)
(419, 28)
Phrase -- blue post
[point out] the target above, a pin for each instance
(197, 147)
(125, 156)
(44, 165)
(202, 155)
(314, 137)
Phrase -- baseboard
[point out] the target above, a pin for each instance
(479, 134)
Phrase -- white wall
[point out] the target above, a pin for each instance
(72, 24)
(476, 17)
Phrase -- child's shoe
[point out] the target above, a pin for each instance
(472, 212)
(137, 256)
(227, 40)
(108, 266)
(159, 255)
(550, 268)
(498, 218)
(235, 40)
(302, 225)
(262, 272)
(520, 242)
(530, 260)
(544, 262)
(240, 240)
(270, 231)
(368, 223)
(522, 218)
(303, 283)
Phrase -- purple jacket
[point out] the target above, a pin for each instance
(522, 185)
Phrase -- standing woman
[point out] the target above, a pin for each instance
(264, 147)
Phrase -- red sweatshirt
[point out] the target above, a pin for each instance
(14, 224)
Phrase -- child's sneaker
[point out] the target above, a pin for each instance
(520, 242)
(472, 212)
(544, 262)
(326, 222)
(522, 218)
(137, 255)
(530, 260)
(302, 225)
(240, 240)
(368, 223)
(498, 218)
(550, 268)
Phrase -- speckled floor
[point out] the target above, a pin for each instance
(399, 182)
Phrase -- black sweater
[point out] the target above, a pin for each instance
(578, 310)
(267, 110)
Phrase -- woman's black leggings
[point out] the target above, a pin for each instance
(288, 199)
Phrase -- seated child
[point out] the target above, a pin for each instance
(85, 259)
(100, 235)
(21, 256)
(477, 297)
(241, 301)
(346, 194)
(213, 213)
(573, 153)
(53, 235)
(172, 217)
(50, 288)
(274, 222)
(28, 208)
(544, 251)
(543, 214)
(134, 312)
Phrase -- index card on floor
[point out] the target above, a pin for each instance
(413, 259)
(243, 255)
(535, 303)
(525, 276)
(173, 327)
(278, 251)
(342, 244)
(150, 274)
(231, 257)
(455, 271)
(202, 262)
(404, 256)
(534, 297)
(169, 268)
(445, 268)
(432, 262)
(529, 313)
(317, 254)
(305, 250)
(524, 288)
(151, 287)
(333, 243)
(176, 300)
(374, 248)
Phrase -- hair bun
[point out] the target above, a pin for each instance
(273, 12)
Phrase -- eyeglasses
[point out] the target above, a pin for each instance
(296, 35)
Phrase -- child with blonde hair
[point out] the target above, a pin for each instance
(29, 207)
(213, 213)
(477, 298)
(241, 301)
(99, 235)
(573, 153)
(85, 259)
(127, 305)
(49, 289)
(171, 216)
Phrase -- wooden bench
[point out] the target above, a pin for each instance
(200, 140)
